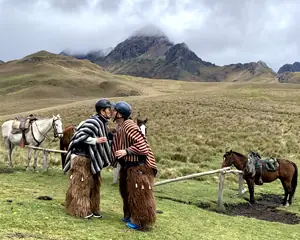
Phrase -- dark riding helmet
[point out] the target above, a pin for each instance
(102, 104)
(123, 108)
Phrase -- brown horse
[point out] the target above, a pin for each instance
(286, 171)
(68, 133)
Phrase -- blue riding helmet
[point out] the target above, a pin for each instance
(123, 108)
(102, 104)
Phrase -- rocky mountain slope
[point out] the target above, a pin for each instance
(289, 73)
(295, 67)
(151, 54)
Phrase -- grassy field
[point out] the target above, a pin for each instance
(24, 216)
(190, 127)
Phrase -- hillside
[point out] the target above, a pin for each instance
(151, 54)
(289, 73)
(51, 79)
(2, 62)
(289, 77)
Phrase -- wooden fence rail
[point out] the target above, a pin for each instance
(221, 172)
(45, 151)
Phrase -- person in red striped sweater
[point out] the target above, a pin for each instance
(138, 169)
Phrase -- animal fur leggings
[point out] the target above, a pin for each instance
(83, 194)
(136, 188)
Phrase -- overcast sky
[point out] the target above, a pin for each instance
(218, 31)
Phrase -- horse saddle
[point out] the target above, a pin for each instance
(22, 124)
(270, 164)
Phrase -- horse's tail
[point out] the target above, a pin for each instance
(294, 179)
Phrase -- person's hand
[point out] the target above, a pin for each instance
(101, 140)
(120, 153)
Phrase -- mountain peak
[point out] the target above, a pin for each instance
(149, 30)
(295, 67)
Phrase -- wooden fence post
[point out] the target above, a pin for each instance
(116, 173)
(241, 182)
(220, 193)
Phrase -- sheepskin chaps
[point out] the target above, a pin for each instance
(136, 188)
(83, 194)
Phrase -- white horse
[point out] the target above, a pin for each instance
(34, 137)
(143, 127)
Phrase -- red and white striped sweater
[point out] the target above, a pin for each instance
(130, 137)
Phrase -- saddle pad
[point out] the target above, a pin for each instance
(16, 124)
(21, 125)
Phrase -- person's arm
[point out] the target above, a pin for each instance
(91, 141)
(140, 145)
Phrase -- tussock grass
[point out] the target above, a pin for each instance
(190, 127)
(192, 130)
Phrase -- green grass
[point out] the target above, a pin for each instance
(190, 127)
(31, 218)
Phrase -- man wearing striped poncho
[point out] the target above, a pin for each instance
(138, 169)
(88, 153)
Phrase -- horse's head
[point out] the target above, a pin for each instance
(142, 125)
(234, 158)
(57, 126)
(227, 159)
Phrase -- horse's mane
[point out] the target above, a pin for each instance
(239, 154)
(71, 125)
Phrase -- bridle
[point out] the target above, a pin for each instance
(55, 132)
(228, 158)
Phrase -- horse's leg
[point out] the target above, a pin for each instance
(291, 195)
(63, 156)
(116, 173)
(35, 160)
(286, 192)
(29, 158)
(9, 146)
(250, 183)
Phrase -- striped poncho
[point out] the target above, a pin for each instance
(100, 154)
(130, 137)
